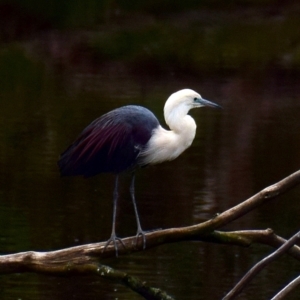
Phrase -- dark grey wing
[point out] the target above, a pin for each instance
(109, 144)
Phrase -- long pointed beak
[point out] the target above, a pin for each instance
(205, 102)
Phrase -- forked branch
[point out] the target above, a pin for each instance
(261, 265)
(202, 231)
(85, 259)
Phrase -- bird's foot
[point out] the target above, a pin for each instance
(141, 233)
(113, 239)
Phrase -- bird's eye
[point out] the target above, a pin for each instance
(195, 99)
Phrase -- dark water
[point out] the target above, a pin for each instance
(253, 142)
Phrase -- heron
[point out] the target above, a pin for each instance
(129, 137)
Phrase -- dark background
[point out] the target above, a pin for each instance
(64, 63)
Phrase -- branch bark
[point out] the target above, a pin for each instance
(89, 253)
(82, 259)
(260, 266)
(78, 259)
(287, 289)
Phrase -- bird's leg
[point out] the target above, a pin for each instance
(139, 228)
(113, 238)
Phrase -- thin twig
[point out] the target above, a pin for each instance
(287, 289)
(81, 259)
(260, 265)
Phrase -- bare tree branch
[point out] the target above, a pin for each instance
(248, 205)
(133, 283)
(70, 260)
(89, 253)
(85, 259)
(260, 266)
(246, 238)
(265, 195)
(287, 289)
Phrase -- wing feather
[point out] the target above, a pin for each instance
(109, 144)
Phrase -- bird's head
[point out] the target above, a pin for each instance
(184, 100)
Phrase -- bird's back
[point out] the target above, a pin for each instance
(111, 143)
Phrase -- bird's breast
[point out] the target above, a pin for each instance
(166, 145)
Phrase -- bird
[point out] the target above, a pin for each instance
(130, 137)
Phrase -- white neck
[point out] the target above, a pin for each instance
(168, 144)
